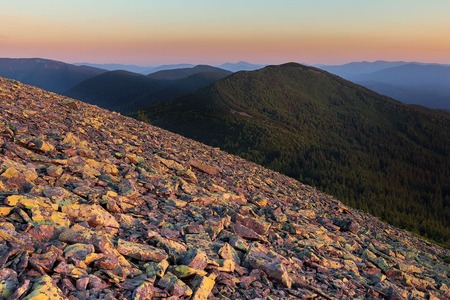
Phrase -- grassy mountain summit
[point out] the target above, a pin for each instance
(371, 151)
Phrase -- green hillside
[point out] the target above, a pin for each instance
(368, 150)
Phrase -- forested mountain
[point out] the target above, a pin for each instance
(126, 91)
(390, 159)
(48, 74)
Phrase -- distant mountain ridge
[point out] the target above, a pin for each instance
(410, 74)
(144, 70)
(241, 66)
(380, 155)
(412, 83)
(127, 92)
(185, 72)
(48, 74)
(233, 67)
(359, 68)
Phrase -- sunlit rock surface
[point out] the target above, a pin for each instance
(97, 205)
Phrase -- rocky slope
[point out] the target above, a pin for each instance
(369, 151)
(97, 205)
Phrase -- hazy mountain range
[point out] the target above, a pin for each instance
(233, 67)
(48, 74)
(128, 92)
(136, 69)
(412, 83)
(409, 82)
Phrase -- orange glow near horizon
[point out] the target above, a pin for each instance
(149, 34)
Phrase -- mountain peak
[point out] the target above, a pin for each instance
(88, 196)
(292, 64)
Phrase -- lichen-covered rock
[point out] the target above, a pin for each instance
(78, 252)
(45, 289)
(195, 258)
(202, 287)
(21, 240)
(183, 271)
(28, 171)
(145, 291)
(260, 227)
(153, 269)
(141, 251)
(31, 202)
(49, 217)
(259, 257)
(70, 270)
(101, 243)
(94, 214)
(174, 286)
(8, 282)
(227, 252)
(113, 208)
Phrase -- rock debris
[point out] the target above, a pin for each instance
(95, 205)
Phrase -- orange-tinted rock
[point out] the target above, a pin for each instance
(247, 233)
(195, 258)
(45, 288)
(174, 286)
(44, 232)
(145, 291)
(260, 227)
(123, 184)
(55, 171)
(259, 257)
(95, 215)
(141, 251)
(16, 239)
(101, 243)
(211, 170)
(202, 287)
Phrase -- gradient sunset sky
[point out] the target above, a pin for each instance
(147, 32)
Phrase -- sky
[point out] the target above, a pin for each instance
(154, 32)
